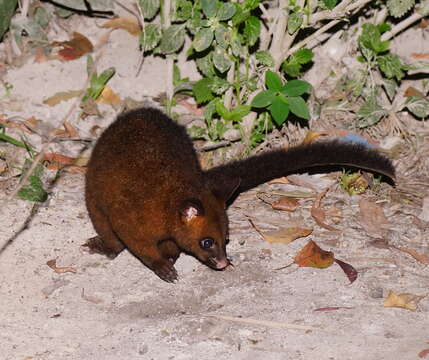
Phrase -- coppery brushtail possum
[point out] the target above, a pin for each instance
(146, 191)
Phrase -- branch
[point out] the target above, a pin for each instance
(401, 26)
(340, 11)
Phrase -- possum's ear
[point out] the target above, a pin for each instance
(223, 187)
(190, 209)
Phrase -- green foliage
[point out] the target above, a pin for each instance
(280, 98)
(398, 8)
(330, 4)
(97, 82)
(371, 112)
(293, 65)
(7, 10)
(33, 191)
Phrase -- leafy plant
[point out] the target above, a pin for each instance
(97, 82)
(34, 190)
(280, 99)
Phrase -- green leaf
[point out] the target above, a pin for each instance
(273, 81)
(148, 8)
(264, 58)
(219, 86)
(251, 4)
(263, 99)
(221, 60)
(294, 22)
(370, 112)
(330, 4)
(172, 39)
(302, 56)
(98, 82)
(203, 39)
(391, 87)
(13, 141)
(197, 132)
(7, 10)
(296, 88)
(240, 16)
(205, 65)
(391, 66)
(416, 66)
(222, 35)
(279, 110)
(418, 106)
(298, 106)
(34, 190)
(371, 40)
(150, 37)
(184, 9)
(399, 8)
(202, 91)
(292, 69)
(239, 112)
(252, 29)
(209, 7)
(226, 11)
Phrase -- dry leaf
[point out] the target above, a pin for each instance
(70, 130)
(330, 308)
(108, 96)
(420, 56)
(285, 204)
(62, 96)
(372, 218)
(311, 136)
(39, 55)
(76, 47)
(349, 270)
(319, 213)
(60, 270)
(404, 300)
(129, 24)
(313, 182)
(281, 180)
(285, 235)
(424, 259)
(411, 91)
(58, 161)
(423, 353)
(313, 256)
(355, 183)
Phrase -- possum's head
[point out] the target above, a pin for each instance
(204, 226)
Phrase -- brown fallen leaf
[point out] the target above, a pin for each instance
(319, 213)
(372, 218)
(129, 24)
(285, 235)
(285, 204)
(108, 96)
(70, 130)
(404, 300)
(349, 270)
(420, 56)
(73, 49)
(311, 255)
(424, 259)
(58, 161)
(330, 308)
(62, 96)
(412, 91)
(311, 136)
(281, 180)
(423, 353)
(60, 270)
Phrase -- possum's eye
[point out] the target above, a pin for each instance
(206, 243)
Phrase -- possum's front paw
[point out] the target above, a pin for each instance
(166, 271)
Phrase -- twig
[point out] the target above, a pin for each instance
(169, 90)
(401, 26)
(271, 324)
(339, 12)
(214, 146)
(313, 36)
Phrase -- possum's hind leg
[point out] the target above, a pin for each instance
(106, 242)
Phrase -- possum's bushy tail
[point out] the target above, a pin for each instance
(261, 168)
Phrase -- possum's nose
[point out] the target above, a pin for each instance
(221, 263)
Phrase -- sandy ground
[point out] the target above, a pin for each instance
(120, 310)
